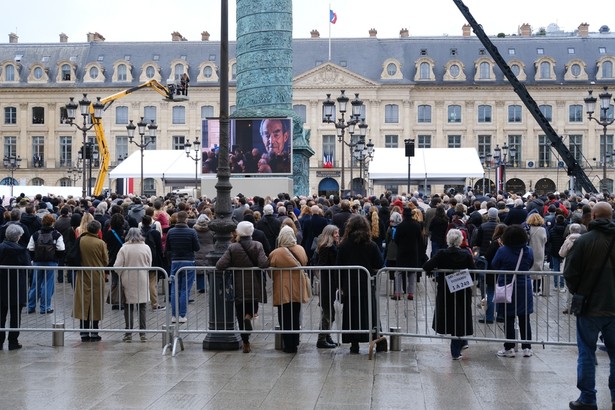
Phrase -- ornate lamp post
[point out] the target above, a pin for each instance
(142, 125)
(363, 153)
(409, 144)
(11, 163)
(87, 110)
(74, 174)
(328, 116)
(604, 121)
(196, 158)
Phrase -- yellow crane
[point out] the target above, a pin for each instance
(173, 93)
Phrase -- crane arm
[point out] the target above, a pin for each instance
(574, 168)
(168, 93)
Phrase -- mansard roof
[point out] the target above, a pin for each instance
(363, 56)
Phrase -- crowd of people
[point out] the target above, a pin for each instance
(506, 232)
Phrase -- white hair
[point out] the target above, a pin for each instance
(454, 237)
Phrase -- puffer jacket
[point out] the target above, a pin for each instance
(583, 264)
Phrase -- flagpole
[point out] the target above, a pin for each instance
(329, 31)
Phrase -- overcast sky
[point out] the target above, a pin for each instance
(41, 21)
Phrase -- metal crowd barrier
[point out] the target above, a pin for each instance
(368, 305)
(403, 318)
(59, 308)
(218, 315)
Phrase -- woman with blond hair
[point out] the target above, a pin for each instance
(288, 285)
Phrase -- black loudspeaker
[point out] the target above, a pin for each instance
(410, 149)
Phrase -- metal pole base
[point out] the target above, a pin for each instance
(222, 341)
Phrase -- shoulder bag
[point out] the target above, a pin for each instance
(503, 294)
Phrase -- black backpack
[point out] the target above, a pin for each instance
(45, 247)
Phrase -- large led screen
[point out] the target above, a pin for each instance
(256, 146)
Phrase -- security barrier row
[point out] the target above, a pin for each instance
(227, 308)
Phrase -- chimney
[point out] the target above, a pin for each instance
(205, 36)
(63, 38)
(525, 30)
(13, 38)
(314, 34)
(92, 37)
(176, 36)
(373, 32)
(404, 33)
(466, 29)
(583, 30)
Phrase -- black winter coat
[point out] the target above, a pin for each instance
(453, 314)
(355, 285)
(13, 282)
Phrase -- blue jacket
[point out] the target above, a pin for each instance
(506, 259)
(182, 242)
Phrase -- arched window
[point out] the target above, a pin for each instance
(38, 73)
(94, 72)
(545, 70)
(37, 182)
(425, 71)
(391, 69)
(9, 72)
(607, 69)
(65, 72)
(485, 71)
(179, 70)
(121, 72)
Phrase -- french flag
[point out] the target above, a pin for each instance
(327, 161)
(332, 16)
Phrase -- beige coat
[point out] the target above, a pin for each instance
(90, 284)
(134, 282)
(287, 282)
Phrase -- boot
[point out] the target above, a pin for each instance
(246, 347)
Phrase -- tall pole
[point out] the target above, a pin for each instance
(605, 105)
(196, 158)
(142, 125)
(221, 316)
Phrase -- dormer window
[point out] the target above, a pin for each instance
(66, 72)
(37, 73)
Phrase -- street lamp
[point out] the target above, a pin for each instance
(143, 143)
(11, 163)
(88, 157)
(74, 174)
(605, 105)
(196, 158)
(409, 143)
(328, 116)
(87, 111)
(363, 153)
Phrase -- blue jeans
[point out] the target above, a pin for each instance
(43, 286)
(587, 337)
(490, 313)
(558, 280)
(184, 280)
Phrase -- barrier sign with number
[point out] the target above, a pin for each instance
(459, 280)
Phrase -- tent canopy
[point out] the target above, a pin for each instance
(167, 164)
(431, 165)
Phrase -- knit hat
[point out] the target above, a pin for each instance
(202, 220)
(268, 209)
(395, 218)
(492, 213)
(244, 228)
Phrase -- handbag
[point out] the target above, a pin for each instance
(503, 293)
(306, 284)
(579, 301)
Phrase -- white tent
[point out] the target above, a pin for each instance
(164, 164)
(429, 165)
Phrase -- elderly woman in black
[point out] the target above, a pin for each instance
(453, 313)
(327, 254)
(13, 283)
